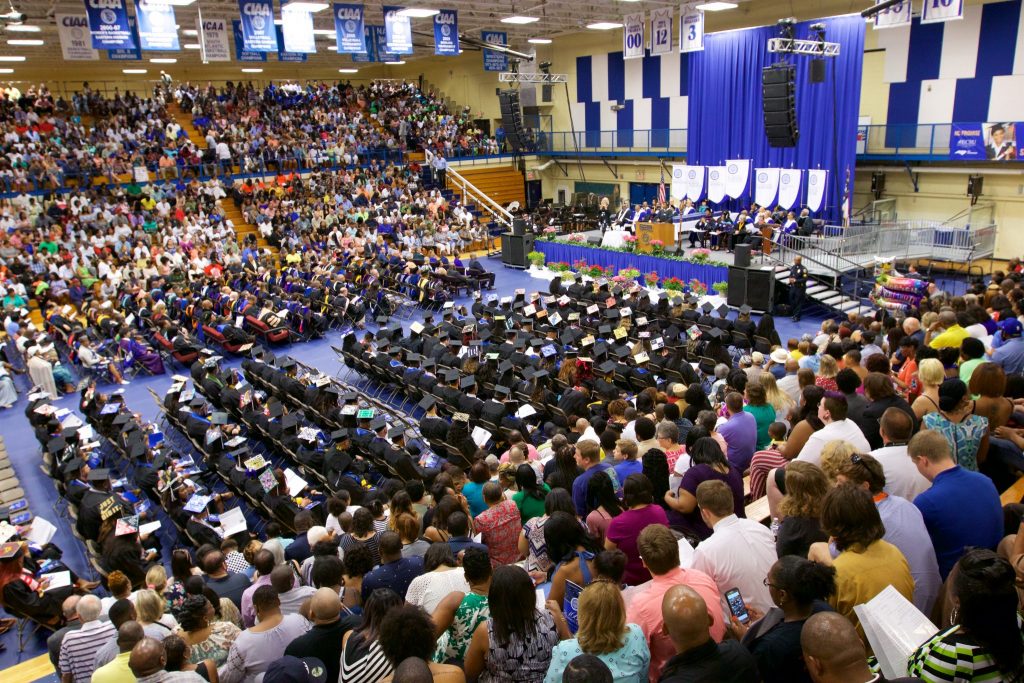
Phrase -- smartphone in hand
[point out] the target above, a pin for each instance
(736, 605)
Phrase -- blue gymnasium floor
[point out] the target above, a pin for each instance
(25, 454)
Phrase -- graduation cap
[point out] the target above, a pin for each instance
(196, 403)
(707, 307)
(607, 367)
(396, 432)
(429, 363)
(289, 421)
(127, 525)
(378, 424)
(197, 503)
(427, 402)
(460, 417)
(604, 330)
(485, 335)
(331, 389)
(467, 382)
(339, 435)
(504, 366)
(611, 313)
(620, 352)
(455, 344)
(723, 310)
(715, 333)
(138, 450)
(121, 419)
(573, 317)
(219, 418)
(10, 550)
(98, 475)
(285, 363)
(56, 444)
(276, 409)
(540, 374)
(72, 466)
(350, 396)
(745, 309)
(382, 319)
(536, 343)
(641, 358)
(500, 390)
(451, 375)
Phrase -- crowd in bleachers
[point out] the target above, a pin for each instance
(585, 484)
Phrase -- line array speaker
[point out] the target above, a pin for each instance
(778, 91)
(512, 118)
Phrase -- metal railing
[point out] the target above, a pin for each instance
(470, 193)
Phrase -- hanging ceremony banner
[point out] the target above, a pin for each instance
(108, 24)
(349, 29)
(128, 54)
(789, 187)
(935, 11)
(371, 48)
(241, 53)
(736, 173)
(380, 39)
(284, 55)
(766, 186)
(716, 183)
(661, 31)
(691, 29)
(257, 17)
(694, 181)
(494, 60)
(897, 15)
(398, 31)
(297, 31)
(678, 187)
(157, 28)
(633, 36)
(446, 33)
(75, 42)
(816, 188)
(213, 37)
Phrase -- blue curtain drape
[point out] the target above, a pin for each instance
(726, 120)
(557, 251)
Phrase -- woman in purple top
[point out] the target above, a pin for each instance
(708, 463)
(638, 498)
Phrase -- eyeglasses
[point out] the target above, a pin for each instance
(768, 583)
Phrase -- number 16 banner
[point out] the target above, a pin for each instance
(935, 11)
(633, 36)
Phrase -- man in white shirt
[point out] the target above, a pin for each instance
(832, 411)
(901, 476)
(739, 552)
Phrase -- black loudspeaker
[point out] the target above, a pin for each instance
(778, 98)
(878, 183)
(974, 185)
(512, 118)
(760, 289)
(518, 226)
(737, 294)
(514, 249)
(742, 255)
(817, 71)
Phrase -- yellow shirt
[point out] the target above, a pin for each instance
(951, 337)
(116, 671)
(861, 576)
(796, 355)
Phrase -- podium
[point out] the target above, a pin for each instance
(645, 232)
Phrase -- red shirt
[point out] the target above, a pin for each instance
(499, 529)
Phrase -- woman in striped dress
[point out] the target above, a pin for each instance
(362, 660)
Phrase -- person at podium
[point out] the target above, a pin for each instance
(604, 215)
(664, 213)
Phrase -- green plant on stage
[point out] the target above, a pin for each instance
(536, 259)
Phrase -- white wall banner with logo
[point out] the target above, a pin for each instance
(789, 187)
(75, 40)
(816, 182)
(694, 180)
(737, 171)
(157, 28)
(716, 183)
(213, 37)
(935, 11)
(897, 15)
(297, 31)
(661, 31)
(678, 188)
(691, 29)
(633, 36)
(766, 186)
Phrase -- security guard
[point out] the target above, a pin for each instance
(797, 287)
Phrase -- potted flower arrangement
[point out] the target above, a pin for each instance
(577, 238)
(549, 233)
(559, 266)
(630, 242)
(700, 255)
(629, 273)
(536, 259)
(651, 279)
(657, 247)
(697, 287)
(722, 288)
(672, 284)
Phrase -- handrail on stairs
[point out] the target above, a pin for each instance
(500, 213)
(781, 248)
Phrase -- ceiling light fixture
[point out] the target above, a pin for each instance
(23, 28)
(6, 71)
(539, 41)
(348, 71)
(604, 25)
(301, 6)
(11, 58)
(163, 60)
(133, 71)
(324, 32)
(252, 71)
(716, 6)
(418, 12)
(520, 20)
(190, 32)
(398, 63)
(192, 46)
(25, 41)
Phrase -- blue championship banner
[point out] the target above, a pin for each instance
(241, 53)
(350, 29)
(108, 25)
(446, 33)
(258, 30)
(157, 27)
(397, 31)
(371, 46)
(130, 54)
(494, 60)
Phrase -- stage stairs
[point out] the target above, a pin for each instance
(820, 291)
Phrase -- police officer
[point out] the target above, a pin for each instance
(797, 287)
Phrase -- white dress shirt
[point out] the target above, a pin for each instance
(901, 476)
(840, 430)
(738, 554)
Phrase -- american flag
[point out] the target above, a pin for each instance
(661, 187)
